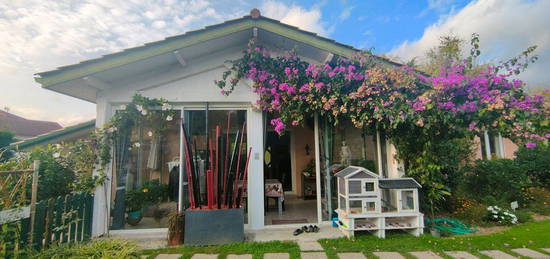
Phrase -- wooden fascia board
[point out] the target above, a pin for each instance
(152, 50)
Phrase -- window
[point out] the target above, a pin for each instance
(369, 187)
(407, 200)
(370, 206)
(355, 206)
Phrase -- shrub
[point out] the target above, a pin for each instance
(501, 216)
(523, 216)
(537, 200)
(468, 210)
(535, 162)
(495, 181)
(100, 248)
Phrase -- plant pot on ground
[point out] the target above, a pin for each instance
(134, 205)
(176, 225)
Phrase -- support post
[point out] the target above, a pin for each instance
(501, 146)
(487, 145)
(378, 153)
(318, 170)
(34, 189)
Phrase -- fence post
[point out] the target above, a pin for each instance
(34, 190)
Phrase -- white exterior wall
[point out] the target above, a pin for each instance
(188, 86)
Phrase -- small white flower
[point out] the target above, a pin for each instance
(150, 133)
(137, 144)
(166, 106)
(169, 118)
(144, 112)
(122, 107)
(56, 155)
(111, 129)
(139, 107)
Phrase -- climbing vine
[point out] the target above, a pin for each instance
(423, 115)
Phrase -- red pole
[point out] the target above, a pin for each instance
(210, 188)
(188, 168)
(245, 177)
(211, 167)
(237, 176)
(225, 160)
(216, 163)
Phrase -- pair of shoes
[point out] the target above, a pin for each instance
(311, 228)
(307, 229)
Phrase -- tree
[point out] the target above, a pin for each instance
(6, 138)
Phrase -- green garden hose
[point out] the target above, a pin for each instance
(450, 225)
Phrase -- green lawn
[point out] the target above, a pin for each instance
(533, 235)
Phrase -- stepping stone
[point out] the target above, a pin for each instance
(460, 255)
(351, 256)
(168, 256)
(425, 255)
(530, 253)
(313, 255)
(276, 256)
(204, 256)
(310, 246)
(389, 255)
(243, 256)
(496, 254)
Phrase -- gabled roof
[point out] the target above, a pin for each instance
(398, 183)
(127, 56)
(24, 127)
(65, 134)
(350, 171)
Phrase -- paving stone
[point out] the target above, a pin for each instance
(351, 256)
(460, 255)
(243, 256)
(425, 255)
(310, 246)
(389, 255)
(496, 254)
(530, 253)
(313, 255)
(546, 250)
(204, 256)
(168, 256)
(276, 256)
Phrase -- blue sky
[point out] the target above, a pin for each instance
(382, 24)
(39, 35)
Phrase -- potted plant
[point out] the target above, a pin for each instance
(435, 194)
(176, 225)
(134, 204)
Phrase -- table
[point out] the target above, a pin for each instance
(273, 188)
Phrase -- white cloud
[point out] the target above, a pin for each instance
(344, 15)
(506, 28)
(309, 20)
(39, 35)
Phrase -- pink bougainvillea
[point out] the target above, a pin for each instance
(391, 98)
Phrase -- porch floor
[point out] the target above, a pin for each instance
(326, 231)
(295, 209)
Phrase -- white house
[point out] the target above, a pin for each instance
(182, 69)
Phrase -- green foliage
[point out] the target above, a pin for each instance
(495, 181)
(365, 163)
(97, 249)
(537, 200)
(468, 210)
(523, 216)
(150, 193)
(54, 179)
(441, 57)
(535, 163)
(6, 138)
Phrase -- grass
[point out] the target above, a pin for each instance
(533, 235)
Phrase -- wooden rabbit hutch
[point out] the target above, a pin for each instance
(367, 202)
